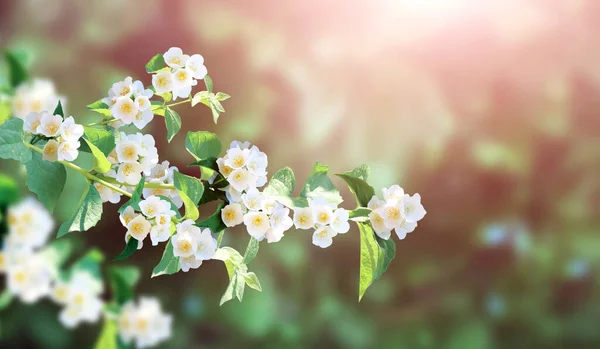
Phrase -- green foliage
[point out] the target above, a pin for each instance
(211, 100)
(374, 259)
(362, 191)
(319, 184)
(46, 179)
(208, 82)
(16, 70)
(388, 248)
(9, 192)
(169, 264)
(91, 262)
(136, 197)
(359, 213)
(203, 145)
(87, 214)
(108, 338)
(173, 123)
(101, 163)
(122, 282)
(156, 63)
(214, 221)
(5, 299)
(104, 140)
(130, 248)
(11, 141)
(191, 186)
(58, 252)
(282, 183)
(251, 251)
(59, 110)
(238, 274)
(100, 108)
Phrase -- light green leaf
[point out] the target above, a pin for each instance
(209, 84)
(136, 197)
(16, 69)
(201, 97)
(169, 264)
(220, 96)
(167, 96)
(97, 105)
(240, 286)
(88, 213)
(191, 210)
(251, 251)
(5, 299)
(173, 123)
(282, 183)
(122, 282)
(359, 214)
(319, 184)
(215, 104)
(362, 191)
(101, 163)
(108, 338)
(46, 179)
(192, 186)
(130, 248)
(252, 281)
(11, 141)
(203, 145)
(230, 291)
(370, 258)
(156, 63)
(104, 140)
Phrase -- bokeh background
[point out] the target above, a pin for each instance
(488, 109)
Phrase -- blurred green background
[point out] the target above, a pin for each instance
(488, 109)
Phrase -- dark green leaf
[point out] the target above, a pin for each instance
(130, 248)
(122, 282)
(156, 63)
(16, 69)
(214, 221)
(9, 192)
(361, 212)
(46, 179)
(6, 298)
(388, 248)
(173, 123)
(88, 213)
(169, 264)
(97, 105)
(11, 141)
(102, 139)
(362, 191)
(136, 197)
(59, 110)
(91, 263)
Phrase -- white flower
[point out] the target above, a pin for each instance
(182, 83)
(32, 122)
(378, 225)
(241, 179)
(50, 125)
(127, 216)
(50, 151)
(143, 101)
(107, 194)
(124, 109)
(340, 221)
(162, 171)
(67, 150)
(175, 58)
(71, 131)
(30, 279)
(280, 222)
(394, 193)
(375, 203)
(153, 206)
(190, 262)
(257, 224)
(232, 215)
(130, 173)
(160, 233)
(144, 323)
(122, 88)
(236, 157)
(143, 118)
(391, 214)
(413, 211)
(139, 228)
(323, 236)
(223, 168)
(35, 96)
(253, 199)
(81, 300)
(257, 163)
(184, 242)
(29, 224)
(162, 82)
(207, 245)
(404, 228)
(303, 218)
(268, 204)
(196, 64)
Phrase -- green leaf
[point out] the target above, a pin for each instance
(16, 69)
(215, 113)
(97, 105)
(158, 108)
(214, 221)
(220, 238)
(240, 285)
(5, 299)
(201, 97)
(192, 186)
(91, 263)
(360, 214)
(167, 96)
(58, 252)
(252, 281)
(319, 184)
(88, 213)
(169, 264)
(251, 251)
(191, 210)
(11, 141)
(203, 145)
(173, 123)
(136, 197)
(156, 63)
(388, 249)
(122, 282)
(9, 192)
(59, 110)
(282, 183)
(220, 96)
(230, 291)
(46, 179)
(101, 163)
(370, 258)
(215, 104)
(130, 248)
(208, 168)
(108, 338)
(209, 84)
(104, 140)
(362, 191)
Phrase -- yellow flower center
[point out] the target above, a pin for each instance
(20, 277)
(393, 213)
(176, 60)
(126, 108)
(79, 299)
(35, 124)
(125, 91)
(182, 76)
(230, 215)
(36, 105)
(142, 325)
(162, 220)
(185, 246)
(257, 221)
(51, 128)
(128, 169)
(323, 217)
(303, 219)
(238, 161)
(138, 228)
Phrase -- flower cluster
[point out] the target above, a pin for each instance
(80, 298)
(35, 96)
(154, 220)
(326, 219)
(163, 174)
(62, 135)
(193, 245)
(244, 167)
(261, 214)
(180, 74)
(129, 103)
(144, 322)
(397, 211)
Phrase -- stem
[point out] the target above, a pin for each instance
(86, 174)
(146, 185)
(100, 123)
(177, 103)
